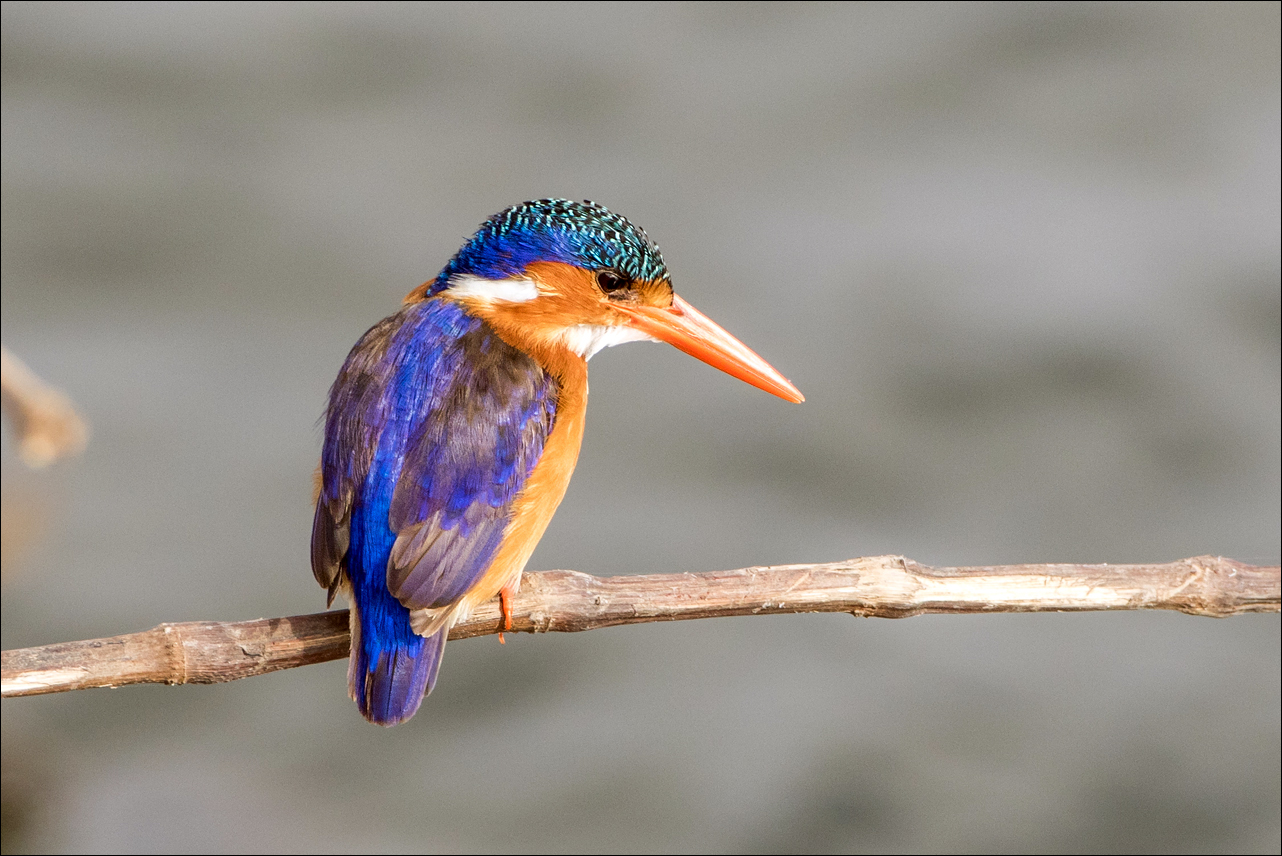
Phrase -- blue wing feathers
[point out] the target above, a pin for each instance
(433, 426)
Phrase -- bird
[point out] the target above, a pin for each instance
(454, 425)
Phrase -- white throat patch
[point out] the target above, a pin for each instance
(586, 339)
(516, 290)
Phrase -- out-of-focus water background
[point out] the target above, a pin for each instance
(1022, 259)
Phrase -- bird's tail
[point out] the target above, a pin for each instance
(389, 682)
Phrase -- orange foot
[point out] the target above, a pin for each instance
(505, 606)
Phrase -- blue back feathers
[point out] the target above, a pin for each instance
(556, 230)
(434, 424)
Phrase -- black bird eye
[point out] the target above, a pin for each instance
(611, 280)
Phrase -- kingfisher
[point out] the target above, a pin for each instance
(454, 425)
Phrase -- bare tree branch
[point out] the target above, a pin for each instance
(47, 423)
(568, 601)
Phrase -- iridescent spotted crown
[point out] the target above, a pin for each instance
(579, 233)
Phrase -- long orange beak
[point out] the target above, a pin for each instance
(689, 330)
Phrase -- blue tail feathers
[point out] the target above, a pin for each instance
(389, 682)
(392, 667)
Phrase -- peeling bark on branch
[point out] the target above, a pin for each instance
(568, 601)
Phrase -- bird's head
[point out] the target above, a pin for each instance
(560, 276)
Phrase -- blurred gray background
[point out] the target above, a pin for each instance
(1022, 260)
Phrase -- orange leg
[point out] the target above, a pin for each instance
(505, 601)
(505, 607)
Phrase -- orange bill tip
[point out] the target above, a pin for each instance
(689, 330)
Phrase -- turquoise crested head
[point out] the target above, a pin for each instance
(583, 234)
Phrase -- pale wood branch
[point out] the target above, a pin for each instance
(46, 421)
(568, 601)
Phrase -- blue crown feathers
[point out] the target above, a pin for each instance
(584, 234)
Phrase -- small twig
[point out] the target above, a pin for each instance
(47, 423)
(884, 586)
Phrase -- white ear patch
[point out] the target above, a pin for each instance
(516, 290)
(586, 339)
